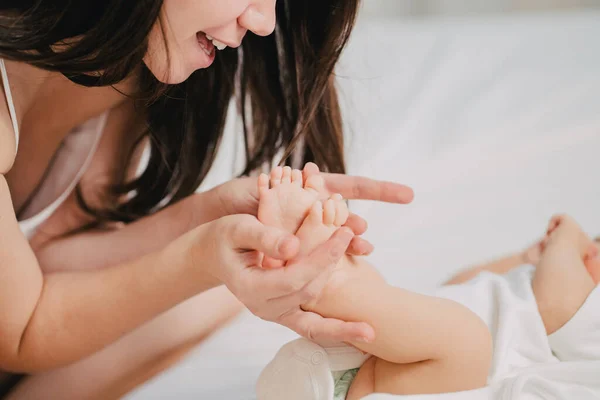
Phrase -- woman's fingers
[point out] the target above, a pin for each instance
(247, 232)
(357, 224)
(295, 277)
(360, 247)
(309, 293)
(361, 188)
(319, 329)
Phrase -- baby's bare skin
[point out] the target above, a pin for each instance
(422, 359)
(411, 354)
(562, 281)
(567, 269)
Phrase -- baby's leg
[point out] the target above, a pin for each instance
(562, 283)
(424, 344)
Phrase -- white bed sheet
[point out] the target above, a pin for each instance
(494, 122)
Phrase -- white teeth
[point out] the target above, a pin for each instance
(218, 45)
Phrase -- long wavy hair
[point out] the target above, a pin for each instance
(284, 86)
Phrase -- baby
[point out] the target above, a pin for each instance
(424, 344)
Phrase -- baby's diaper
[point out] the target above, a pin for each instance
(342, 380)
(303, 370)
(579, 339)
(507, 305)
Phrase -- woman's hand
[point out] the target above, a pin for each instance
(240, 196)
(229, 251)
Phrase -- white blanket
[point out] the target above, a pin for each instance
(496, 124)
(525, 359)
(564, 381)
(527, 364)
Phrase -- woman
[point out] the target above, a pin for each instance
(105, 270)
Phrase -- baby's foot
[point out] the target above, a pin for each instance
(564, 230)
(284, 201)
(322, 221)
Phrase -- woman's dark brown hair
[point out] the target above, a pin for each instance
(284, 82)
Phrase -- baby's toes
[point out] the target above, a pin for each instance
(276, 175)
(329, 209)
(287, 175)
(315, 215)
(297, 177)
(341, 211)
(263, 185)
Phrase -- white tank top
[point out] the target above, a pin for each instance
(66, 169)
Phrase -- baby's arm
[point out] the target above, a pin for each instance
(499, 266)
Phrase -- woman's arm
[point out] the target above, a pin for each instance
(97, 249)
(102, 248)
(55, 319)
(51, 320)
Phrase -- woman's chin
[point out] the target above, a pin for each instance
(169, 76)
(174, 79)
(179, 68)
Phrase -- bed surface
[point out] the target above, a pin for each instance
(495, 122)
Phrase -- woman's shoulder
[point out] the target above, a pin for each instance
(8, 136)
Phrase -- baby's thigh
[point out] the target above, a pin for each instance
(409, 327)
(427, 377)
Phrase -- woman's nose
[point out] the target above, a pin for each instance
(259, 17)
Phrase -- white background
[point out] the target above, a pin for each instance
(456, 7)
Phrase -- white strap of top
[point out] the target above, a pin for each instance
(9, 101)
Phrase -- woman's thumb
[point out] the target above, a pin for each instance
(249, 233)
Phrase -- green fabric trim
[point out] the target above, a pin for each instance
(342, 381)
